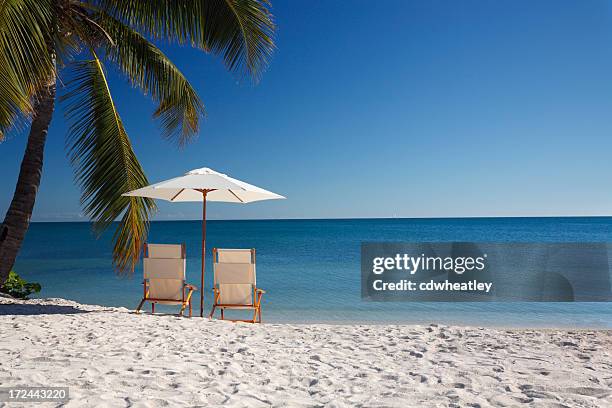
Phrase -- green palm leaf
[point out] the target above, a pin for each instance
(14, 101)
(105, 163)
(239, 30)
(25, 61)
(147, 67)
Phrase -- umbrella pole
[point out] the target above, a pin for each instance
(203, 252)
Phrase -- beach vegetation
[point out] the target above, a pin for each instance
(18, 287)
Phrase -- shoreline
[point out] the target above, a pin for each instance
(349, 322)
(110, 356)
(390, 322)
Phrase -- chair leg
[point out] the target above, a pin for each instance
(222, 318)
(259, 309)
(189, 307)
(255, 316)
(212, 312)
(140, 305)
(152, 308)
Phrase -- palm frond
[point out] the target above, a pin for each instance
(104, 162)
(241, 31)
(78, 31)
(14, 100)
(146, 67)
(25, 60)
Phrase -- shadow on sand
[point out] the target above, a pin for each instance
(34, 309)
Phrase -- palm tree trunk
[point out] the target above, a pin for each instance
(17, 219)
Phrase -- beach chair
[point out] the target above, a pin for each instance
(235, 283)
(164, 277)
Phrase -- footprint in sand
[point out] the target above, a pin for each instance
(421, 378)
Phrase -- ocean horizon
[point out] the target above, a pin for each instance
(310, 268)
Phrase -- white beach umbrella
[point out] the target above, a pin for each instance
(204, 185)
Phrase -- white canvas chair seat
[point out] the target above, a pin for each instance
(236, 294)
(235, 282)
(164, 268)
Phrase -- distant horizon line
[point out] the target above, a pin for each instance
(349, 218)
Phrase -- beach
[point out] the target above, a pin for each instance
(113, 357)
(412, 199)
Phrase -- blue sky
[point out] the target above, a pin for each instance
(397, 108)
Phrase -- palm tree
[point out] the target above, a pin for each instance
(43, 39)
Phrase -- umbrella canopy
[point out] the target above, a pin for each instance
(220, 188)
(204, 185)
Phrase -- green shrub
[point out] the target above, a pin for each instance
(18, 287)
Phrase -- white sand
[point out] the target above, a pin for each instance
(110, 357)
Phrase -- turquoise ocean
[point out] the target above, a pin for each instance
(311, 268)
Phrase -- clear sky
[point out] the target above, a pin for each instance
(391, 108)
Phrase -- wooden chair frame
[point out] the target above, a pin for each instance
(186, 296)
(257, 295)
